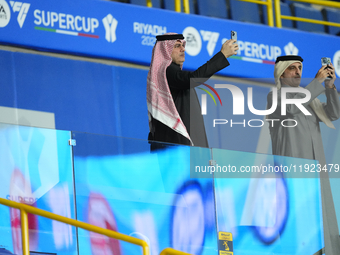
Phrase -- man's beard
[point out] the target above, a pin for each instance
(293, 82)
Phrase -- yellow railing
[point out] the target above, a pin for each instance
(279, 17)
(269, 4)
(170, 251)
(24, 209)
(270, 11)
(186, 7)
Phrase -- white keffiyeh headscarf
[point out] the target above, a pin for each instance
(159, 99)
(280, 67)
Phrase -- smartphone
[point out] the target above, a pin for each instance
(326, 62)
(233, 35)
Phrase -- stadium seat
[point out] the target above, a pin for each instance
(332, 15)
(244, 11)
(289, 2)
(155, 3)
(170, 5)
(285, 10)
(213, 8)
(308, 12)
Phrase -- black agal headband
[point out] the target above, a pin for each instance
(169, 37)
(289, 58)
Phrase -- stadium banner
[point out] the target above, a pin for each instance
(127, 32)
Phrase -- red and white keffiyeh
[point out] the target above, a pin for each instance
(159, 99)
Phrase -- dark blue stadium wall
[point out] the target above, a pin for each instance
(84, 96)
(109, 100)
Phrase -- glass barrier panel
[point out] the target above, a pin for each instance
(123, 186)
(36, 169)
(268, 210)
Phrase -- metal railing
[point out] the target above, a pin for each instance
(269, 4)
(186, 7)
(170, 251)
(279, 17)
(24, 209)
(271, 10)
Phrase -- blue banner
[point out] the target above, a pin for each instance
(127, 32)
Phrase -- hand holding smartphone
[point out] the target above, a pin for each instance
(230, 49)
